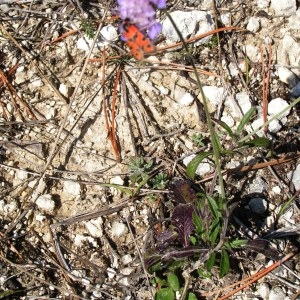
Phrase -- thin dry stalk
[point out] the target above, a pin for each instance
(251, 279)
(266, 83)
(13, 94)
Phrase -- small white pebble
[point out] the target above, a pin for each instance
(244, 102)
(258, 185)
(277, 105)
(276, 294)
(124, 281)
(274, 126)
(94, 227)
(126, 271)
(118, 229)
(8, 207)
(263, 3)
(287, 76)
(203, 168)
(46, 203)
(295, 177)
(268, 40)
(36, 83)
(111, 273)
(82, 44)
(186, 100)
(72, 188)
(51, 111)
(264, 290)
(227, 119)
(109, 33)
(21, 174)
(40, 218)
(2, 205)
(276, 189)
(253, 24)
(63, 89)
(117, 180)
(10, 108)
(163, 90)
(126, 259)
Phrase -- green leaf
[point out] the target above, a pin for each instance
(224, 265)
(258, 142)
(192, 296)
(193, 240)
(245, 120)
(213, 207)
(228, 152)
(197, 221)
(160, 281)
(238, 243)
(216, 141)
(173, 282)
(226, 127)
(198, 140)
(165, 294)
(6, 294)
(204, 273)
(194, 163)
(173, 266)
(211, 261)
(214, 233)
(119, 187)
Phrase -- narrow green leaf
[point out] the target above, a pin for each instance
(119, 187)
(173, 281)
(211, 261)
(197, 221)
(226, 127)
(165, 294)
(238, 243)
(258, 142)
(6, 294)
(284, 207)
(228, 152)
(213, 207)
(194, 163)
(214, 232)
(224, 265)
(275, 116)
(216, 141)
(245, 120)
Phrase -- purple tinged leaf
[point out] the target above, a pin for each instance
(264, 247)
(183, 253)
(151, 258)
(181, 191)
(182, 220)
(165, 238)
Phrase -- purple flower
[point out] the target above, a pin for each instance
(142, 14)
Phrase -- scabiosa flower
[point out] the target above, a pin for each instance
(142, 14)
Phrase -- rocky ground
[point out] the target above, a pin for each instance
(91, 140)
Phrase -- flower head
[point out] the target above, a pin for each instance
(142, 14)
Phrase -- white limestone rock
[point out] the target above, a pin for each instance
(284, 8)
(46, 203)
(187, 23)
